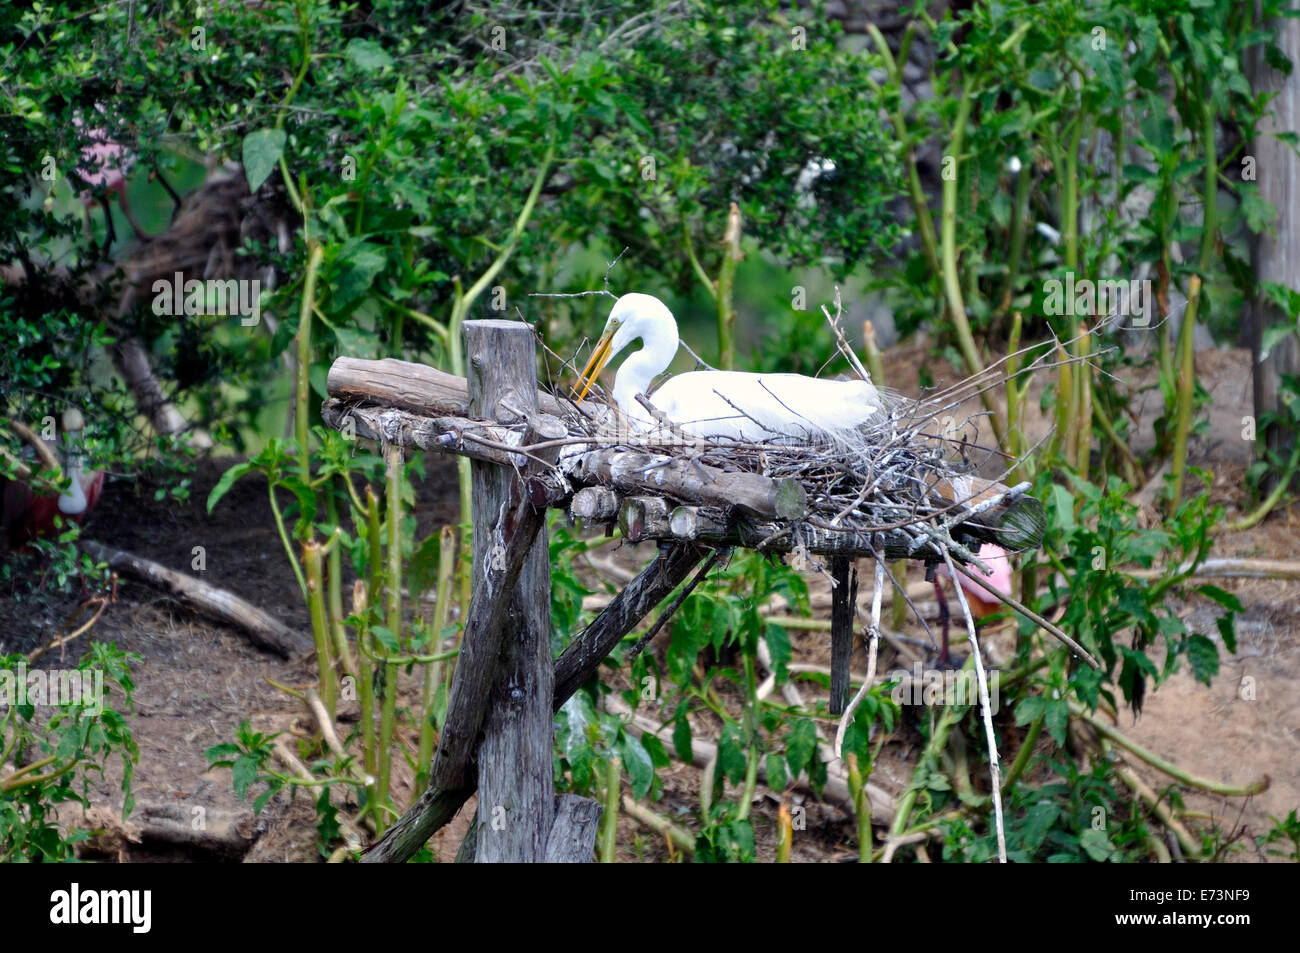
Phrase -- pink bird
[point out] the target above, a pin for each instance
(29, 516)
(102, 168)
(982, 603)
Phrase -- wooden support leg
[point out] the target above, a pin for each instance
(440, 802)
(516, 786)
(843, 600)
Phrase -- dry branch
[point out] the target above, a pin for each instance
(262, 630)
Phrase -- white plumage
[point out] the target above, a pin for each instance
(721, 404)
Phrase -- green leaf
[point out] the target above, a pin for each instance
(1204, 656)
(244, 771)
(1222, 597)
(1098, 845)
(682, 736)
(1227, 625)
(221, 752)
(385, 636)
(361, 264)
(226, 482)
(368, 55)
(637, 763)
(731, 753)
(262, 151)
(655, 748)
(1272, 337)
(800, 745)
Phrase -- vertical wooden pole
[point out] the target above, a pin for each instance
(843, 600)
(516, 788)
(1275, 257)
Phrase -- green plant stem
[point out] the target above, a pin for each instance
(698, 268)
(948, 253)
(311, 556)
(609, 823)
(750, 728)
(388, 704)
(1019, 228)
(1270, 501)
(335, 581)
(1186, 353)
(1127, 459)
(1186, 390)
(284, 538)
(915, 189)
(1168, 767)
(950, 716)
(681, 838)
(726, 286)
(1025, 753)
(861, 806)
(315, 255)
(429, 322)
(1014, 443)
(433, 669)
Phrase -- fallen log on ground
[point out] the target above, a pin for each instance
(262, 630)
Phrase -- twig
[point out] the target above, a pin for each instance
(676, 604)
(986, 711)
(873, 634)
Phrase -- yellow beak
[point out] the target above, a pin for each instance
(600, 356)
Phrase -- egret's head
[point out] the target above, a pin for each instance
(633, 316)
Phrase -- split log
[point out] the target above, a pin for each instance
(642, 517)
(417, 388)
(573, 834)
(632, 471)
(594, 503)
(438, 434)
(693, 522)
(262, 630)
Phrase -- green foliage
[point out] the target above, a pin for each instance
(247, 758)
(51, 743)
(1286, 833)
(1080, 819)
(1094, 535)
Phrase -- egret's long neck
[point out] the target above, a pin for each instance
(643, 366)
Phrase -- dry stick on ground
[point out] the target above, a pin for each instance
(985, 710)
(61, 640)
(1227, 568)
(262, 630)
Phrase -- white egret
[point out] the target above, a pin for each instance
(727, 404)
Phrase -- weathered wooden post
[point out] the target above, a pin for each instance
(843, 599)
(515, 785)
(1275, 256)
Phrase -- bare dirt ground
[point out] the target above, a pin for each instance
(197, 679)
